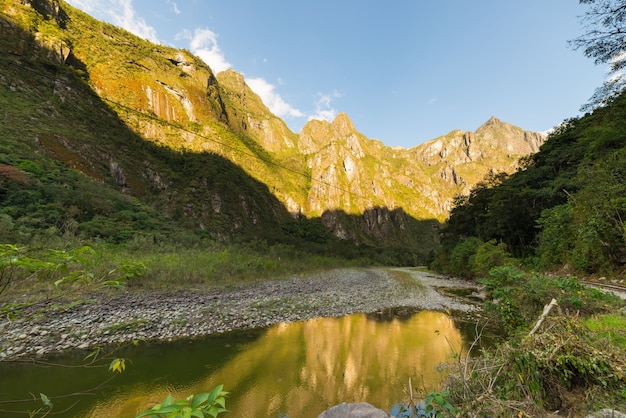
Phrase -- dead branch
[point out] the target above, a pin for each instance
(544, 315)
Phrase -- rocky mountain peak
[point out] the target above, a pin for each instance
(317, 133)
(493, 121)
(342, 126)
(231, 79)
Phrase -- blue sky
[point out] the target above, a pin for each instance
(404, 71)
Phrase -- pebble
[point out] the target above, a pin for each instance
(149, 315)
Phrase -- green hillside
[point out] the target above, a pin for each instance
(567, 207)
(107, 136)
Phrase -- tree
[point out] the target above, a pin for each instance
(604, 41)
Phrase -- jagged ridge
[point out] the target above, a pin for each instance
(171, 99)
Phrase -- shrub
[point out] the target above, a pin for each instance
(489, 255)
(462, 255)
(564, 366)
(517, 298)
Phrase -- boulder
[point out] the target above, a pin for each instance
(354, 410)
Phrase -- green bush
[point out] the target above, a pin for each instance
(461, 257)
(490, 255)
(555, 242)
(517, 298)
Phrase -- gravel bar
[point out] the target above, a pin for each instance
(149, 315)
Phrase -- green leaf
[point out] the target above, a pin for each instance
(93, 354)
(114, 284)
(169, 400)
(215, 411)
(46, 401)
(214, 394)
(168, 409)
(199, 399)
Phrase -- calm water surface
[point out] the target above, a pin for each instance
(287, 370)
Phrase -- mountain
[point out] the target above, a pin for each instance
(564, 210)
(157, 129)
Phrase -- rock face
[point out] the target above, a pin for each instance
(358, 410)
(172, 100)
(356, 172)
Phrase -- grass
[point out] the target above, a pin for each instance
(573, 362)
(162, 268)
(125, 326)
(406, 280)
(611, 326)
(224, 266)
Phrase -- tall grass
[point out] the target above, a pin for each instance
(212, 265)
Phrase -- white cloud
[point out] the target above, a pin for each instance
(203, 43)
(323, 108)
(174, 7)
(120, 13)
(273, 100)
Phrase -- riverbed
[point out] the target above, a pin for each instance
(135, 314)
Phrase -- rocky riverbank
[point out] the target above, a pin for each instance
(135, 314)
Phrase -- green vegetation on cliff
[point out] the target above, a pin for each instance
(109, 137)
(567, 206)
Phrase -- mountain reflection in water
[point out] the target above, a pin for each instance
(299, 369)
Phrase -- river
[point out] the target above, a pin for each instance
(286, 348)
(286, 370)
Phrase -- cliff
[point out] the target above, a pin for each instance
(156, 124)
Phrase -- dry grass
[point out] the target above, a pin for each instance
(564, 368)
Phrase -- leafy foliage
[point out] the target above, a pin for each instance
(118, 365)
(604, 24)
(561, 364)
(564, 366)
(517, 297)
(207, 404)
(472, 258)
(566, 206)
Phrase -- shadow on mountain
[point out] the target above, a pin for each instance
(390, 237)
(90, 175)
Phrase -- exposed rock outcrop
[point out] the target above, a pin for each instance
(170, 98)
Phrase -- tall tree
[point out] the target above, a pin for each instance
(604, 40)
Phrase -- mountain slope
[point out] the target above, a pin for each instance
(155, 124)
(566, 208)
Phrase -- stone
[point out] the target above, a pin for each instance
(606, 413)
(354, 410)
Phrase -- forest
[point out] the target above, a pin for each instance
(564, 209)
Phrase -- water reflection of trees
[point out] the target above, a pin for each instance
(300, 369)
